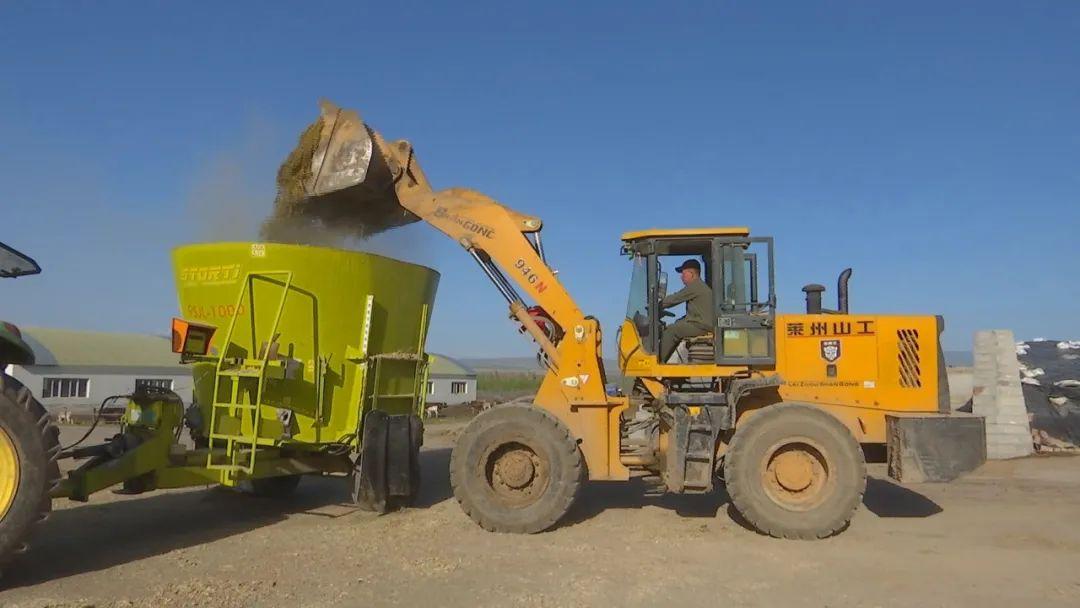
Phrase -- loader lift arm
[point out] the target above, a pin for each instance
(355, 165)
(497, 237)
(500, 239)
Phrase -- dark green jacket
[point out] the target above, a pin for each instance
(699, 303)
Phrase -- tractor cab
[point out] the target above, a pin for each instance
(13, 349)
(737, 268)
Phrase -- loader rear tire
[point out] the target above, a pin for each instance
(795, 471)
(29, 445)
(516, 469)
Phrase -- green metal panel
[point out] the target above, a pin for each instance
(349, 323)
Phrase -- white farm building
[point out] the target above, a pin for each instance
(76, 370)
(450, 382)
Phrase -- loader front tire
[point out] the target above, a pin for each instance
(795, 471)
(517, 469)
(29, 445)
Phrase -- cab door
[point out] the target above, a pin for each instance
(745, 319)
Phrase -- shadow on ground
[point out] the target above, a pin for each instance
(600, 496)
(882, 498)
(887, 499)
(93, 537)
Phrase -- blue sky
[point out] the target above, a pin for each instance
(934, 147)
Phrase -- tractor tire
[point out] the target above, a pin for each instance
(273, 487)
(29, 446)
(516, 469)
(794, 471)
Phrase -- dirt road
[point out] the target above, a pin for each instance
(1006, 536)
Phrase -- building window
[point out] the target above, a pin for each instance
(459, 388)
(65, 387)
(430, 387)
(142, 384)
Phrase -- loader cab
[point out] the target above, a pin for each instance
(739, 270)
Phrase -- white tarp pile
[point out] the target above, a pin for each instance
(1050, 374)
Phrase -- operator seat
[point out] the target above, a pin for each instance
(694, 350)
(700, 349)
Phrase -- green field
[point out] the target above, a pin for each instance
(510, 384)
(497, 385)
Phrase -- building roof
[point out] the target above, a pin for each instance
(75, 348)
(713, 231)
(441, 365)
(94, 349)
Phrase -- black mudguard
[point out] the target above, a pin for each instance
(387, 473)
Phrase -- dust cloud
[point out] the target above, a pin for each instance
(234, 198)
(229, 194)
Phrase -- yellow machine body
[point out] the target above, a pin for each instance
(885, 364)
(878, 369)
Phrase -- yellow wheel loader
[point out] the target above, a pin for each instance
(781, 408)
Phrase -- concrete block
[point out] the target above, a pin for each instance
(997, 395)
(1009, 418)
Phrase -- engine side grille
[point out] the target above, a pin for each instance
(908, 355)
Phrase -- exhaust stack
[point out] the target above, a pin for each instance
(814, 293)
(842, 291)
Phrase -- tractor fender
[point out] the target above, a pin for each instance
(14, 349)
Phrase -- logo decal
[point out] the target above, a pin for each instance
(830, 350)
(466, 223)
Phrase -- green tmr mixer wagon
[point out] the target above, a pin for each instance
(305, 360)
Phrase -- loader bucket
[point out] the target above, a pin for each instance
(339, 176)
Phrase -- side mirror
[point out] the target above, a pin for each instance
(661, 285)
(14, 264)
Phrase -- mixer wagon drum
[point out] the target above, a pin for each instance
(327, 344)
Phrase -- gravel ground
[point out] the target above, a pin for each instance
(1004, 536)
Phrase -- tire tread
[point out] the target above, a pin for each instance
(737, 486)
(574, 468)
(15, 392)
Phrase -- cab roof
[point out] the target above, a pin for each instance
(677, 232)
